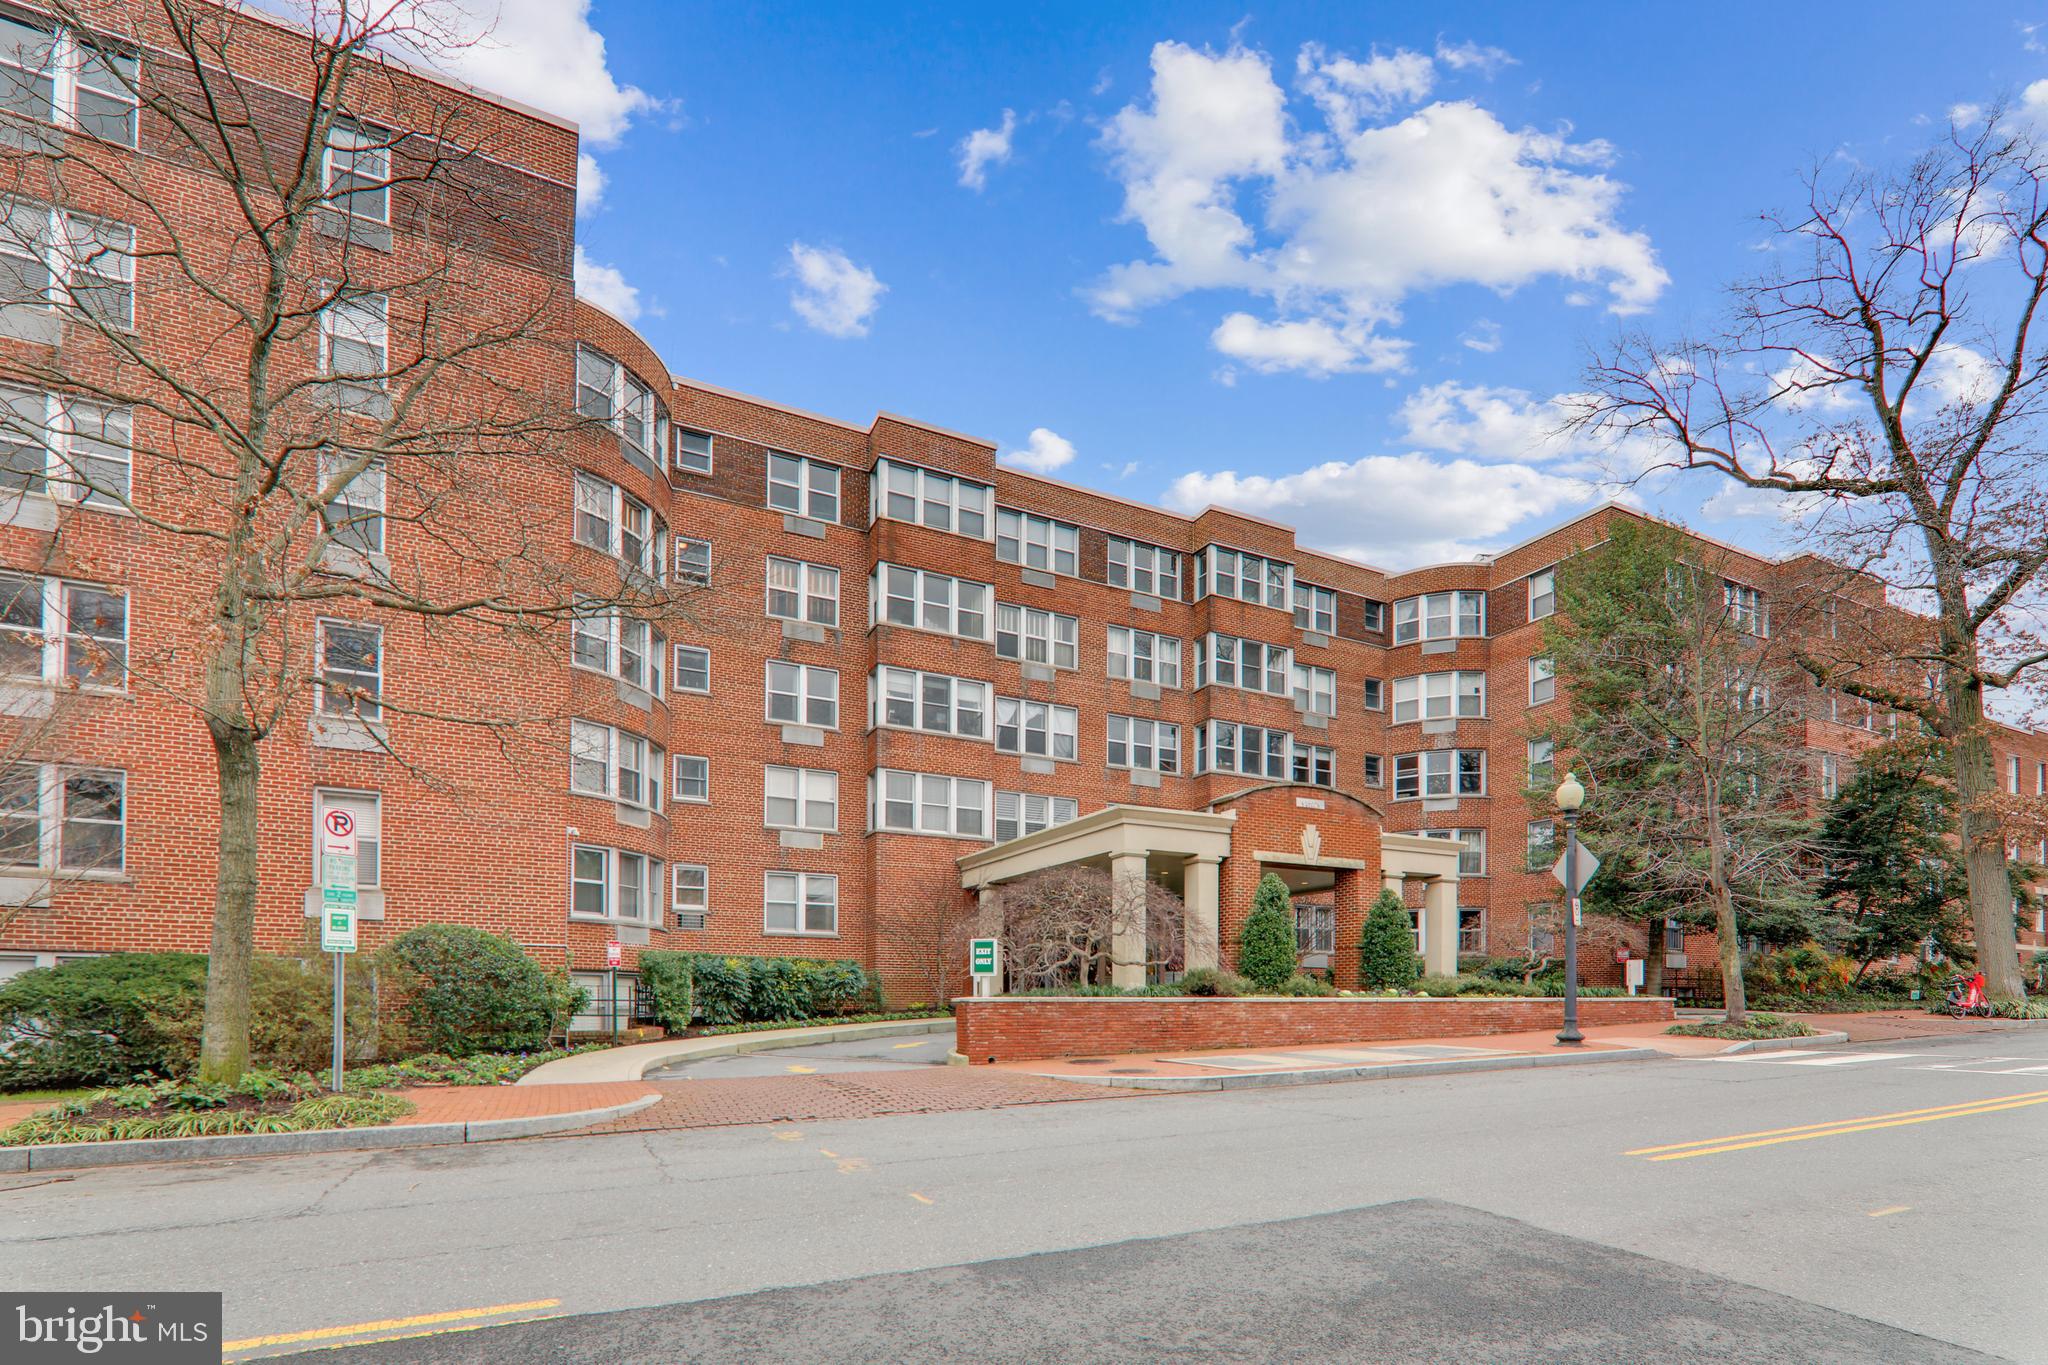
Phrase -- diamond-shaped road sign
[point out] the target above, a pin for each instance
(1589, 863)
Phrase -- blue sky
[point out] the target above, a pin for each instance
(1371, 241)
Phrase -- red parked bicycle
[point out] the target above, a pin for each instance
(1966, 997)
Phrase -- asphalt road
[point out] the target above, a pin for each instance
(1657, 1210)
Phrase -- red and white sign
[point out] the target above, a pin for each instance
(613, 953)
(338, 833)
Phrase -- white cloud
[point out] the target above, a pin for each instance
(1471, 56)
(832, 294)
(1498, 423)
(590, 183)
(606, 287)
(1314, 346)
(1482, 336)
(1045, 452)
(1353, 219)
(1411, 509)
(543, 53)
(985, 147)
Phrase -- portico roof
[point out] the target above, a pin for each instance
(1113, 830)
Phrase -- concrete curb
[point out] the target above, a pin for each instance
(72, 1156)
(1780, 1044)
(1380, 1071)
(633, 1062)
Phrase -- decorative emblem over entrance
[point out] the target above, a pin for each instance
(1311, 842)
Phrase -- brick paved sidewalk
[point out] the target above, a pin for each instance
(479, 1103)
(1885, 1025)
(854, 1095)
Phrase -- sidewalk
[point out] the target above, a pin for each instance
(1880, 1026)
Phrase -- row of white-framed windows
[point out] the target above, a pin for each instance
(1315, 609)
(1745, 606)
(923, 600)
(802, 694)
(52, 630)
(55, 75)
(53, 259)
(1440, 616)
(65, 448)
(70, 819)
(802, 903)
(938, 703)
(1471, 848)
(1038, 542)
(1225, 572)
(803, 487)
(612, 884)
(1439, 696)
(1144, 744)
(608, 392)
(1034, 636)
(620, 646)
(1037, 729)
(1144, 568)
(1315, 689)
(690, 894)
(798, 591)
(607, 761)
(1542, 762)
(927, 803)
(612, 521)
(693, 778)
(1439, 773)
(1142, 656)
(1542, 681)
(1251, 750)
(351, 658)
(367, 809)
(1022, 813)
(1254, 666)
(1542, 594)
(924, 497)
(800, 799)
(693, 451)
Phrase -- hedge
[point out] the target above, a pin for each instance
(91, 1021)
(719, 990)
(461, 990)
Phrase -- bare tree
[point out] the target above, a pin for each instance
(1888, 378)
(314, 225)
(1057, 926)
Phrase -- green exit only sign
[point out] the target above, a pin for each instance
(981, 957)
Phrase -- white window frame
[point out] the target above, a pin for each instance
(609, 505)
(1830, 777)
(1471, 854)
(962, 697)
(937, 500)
(931, 597)
(54, 457)
(1037, 636)
(1144, 656)
(1548, 845)
(354, 518)
(1315, 608)
(1272, 581)
(361, 320)
(809, 694)
(1373, 694)
(679, 786)
(612, 884)
(612, 633)
(1461, 611)
(1222, 661)
(804, 889)
(1455, 695)
(1543, 593)
(807, 788)
(367, 807)
(368, 709)
(929, 792)
(81, 257)
(1542, 681)
(1315, 689)
(698, 876)
(688, 455)
(1415, 775)
(1057, 728)
(1374, 773)
(814, 487)
(1037, 542)
(51, 638)
(1541, 754)
(1220, 746)
(693, 561)
(355, 153)
(628, 759)
(1143, 568)
(1136, 735)
(1746, 608)
(1030, 812)
(675, 673)
(68, 72)
(816, 584)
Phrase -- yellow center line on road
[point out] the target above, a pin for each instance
(926, 1042)
(1837, 1123)
(1886, 1213)
(1716, 1146)
(387, 1325)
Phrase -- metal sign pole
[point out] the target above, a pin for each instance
(340, 987)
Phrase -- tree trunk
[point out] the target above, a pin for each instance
(224, 1035)
(1727, 935)
(1653, 958)
(1976, 776)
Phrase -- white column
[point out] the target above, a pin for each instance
(1127, 927)
(988, 911)
(1440, 928)
(1203, 905)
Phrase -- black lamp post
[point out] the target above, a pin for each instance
(1570, 796)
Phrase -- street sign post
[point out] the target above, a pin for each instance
(338, 872)
(983, 961)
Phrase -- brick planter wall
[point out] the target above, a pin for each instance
(1029, 1028)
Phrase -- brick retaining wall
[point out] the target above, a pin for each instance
(1029, 1028)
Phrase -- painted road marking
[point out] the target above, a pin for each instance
(1888, 1212)
(919, 1198)
(1737, 1142)
(922, 1043)
(387, 1325)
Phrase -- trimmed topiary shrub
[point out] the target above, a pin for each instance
(1266, 944)
(91, 1021)
(462, 990)
(1301, 983)
(1386, 950)
(715, 990)
(1211, 981)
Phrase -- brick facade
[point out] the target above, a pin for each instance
(480, 833)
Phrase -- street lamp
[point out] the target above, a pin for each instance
(1570, 796)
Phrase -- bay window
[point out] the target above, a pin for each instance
(1440, 773)
(1224, 572)
(1022, 813)
(922, 600)
(925, 497)
(928, 803)
(1439, 696)
(1440, 616)
(906, 699)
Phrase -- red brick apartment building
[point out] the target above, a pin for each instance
(911, 673)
